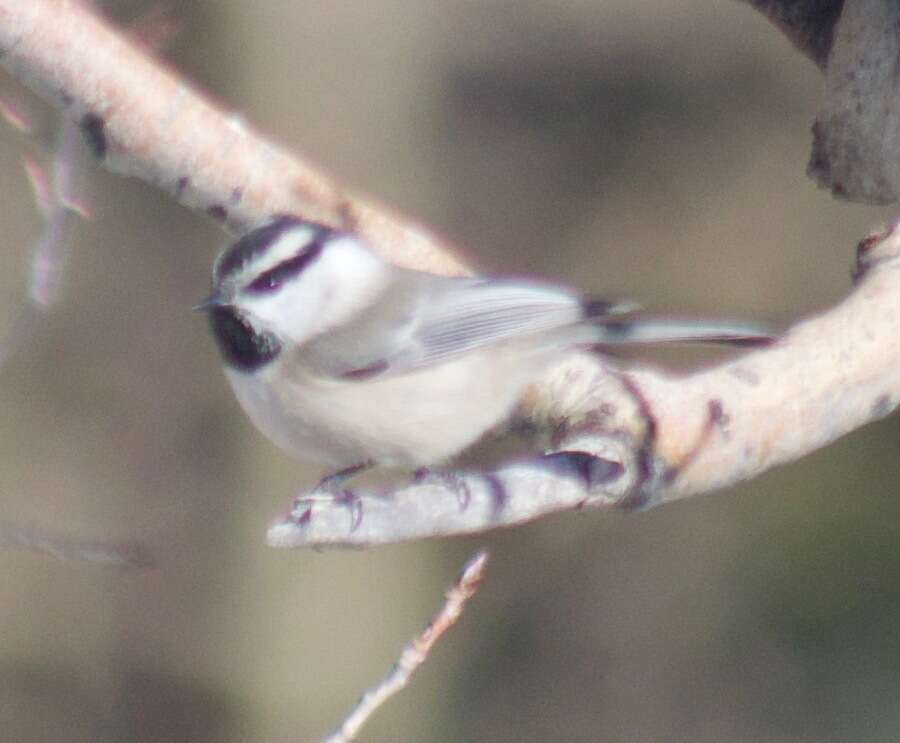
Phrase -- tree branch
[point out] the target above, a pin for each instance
(143, 120)
(632, 440)
(856, 136)
(658, 438)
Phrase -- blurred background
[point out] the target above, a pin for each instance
(651, 150)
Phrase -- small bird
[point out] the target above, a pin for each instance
(342, 358)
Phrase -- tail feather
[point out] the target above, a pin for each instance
(662, 330)
(598, 309)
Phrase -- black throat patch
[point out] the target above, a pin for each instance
(241, 346)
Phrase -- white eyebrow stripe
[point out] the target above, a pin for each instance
(289, 244)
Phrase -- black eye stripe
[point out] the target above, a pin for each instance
(276, 276)
(258, 241)
(251, 244)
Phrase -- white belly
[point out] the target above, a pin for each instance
(412, 420)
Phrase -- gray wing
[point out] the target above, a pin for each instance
(421, 321)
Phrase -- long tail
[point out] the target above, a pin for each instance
(617, 330)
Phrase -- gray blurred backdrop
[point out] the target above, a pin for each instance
(652, 150)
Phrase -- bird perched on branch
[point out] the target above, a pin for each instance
(342, 358)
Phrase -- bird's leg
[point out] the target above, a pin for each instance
(332, 483)
(330, 490)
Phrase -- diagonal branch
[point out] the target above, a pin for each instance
(144, 120)
(658, 438)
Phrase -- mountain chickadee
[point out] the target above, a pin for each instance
(343, 358)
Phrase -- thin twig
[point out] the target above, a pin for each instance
(68, 548)
(51, 250)
(54, 194)
(15, 116)
(416, 652)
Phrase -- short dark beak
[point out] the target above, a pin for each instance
(211, 302)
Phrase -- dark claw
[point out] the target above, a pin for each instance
(592, 471)
(354, 503)
(346, 498)
(463, 494)
(497, 490)
(455, 482)
(332, 483)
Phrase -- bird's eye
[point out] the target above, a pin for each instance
(268, 282)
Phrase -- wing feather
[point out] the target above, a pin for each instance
(421, 323)
(486, 312)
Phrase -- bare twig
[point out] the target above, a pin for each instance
(416, 653)
(54, 194)
(15, 116)
(68, 548)
(58, 201)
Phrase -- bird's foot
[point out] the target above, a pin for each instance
(304, 504)
(331, 491)
(334, 482)
(455, 482)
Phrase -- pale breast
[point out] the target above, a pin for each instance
(416, 419)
